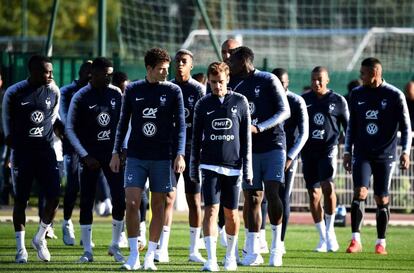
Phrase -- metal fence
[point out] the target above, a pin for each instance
(401, 191)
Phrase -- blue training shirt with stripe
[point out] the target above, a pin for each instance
(377, 114)
(29, 114)
(153, 109)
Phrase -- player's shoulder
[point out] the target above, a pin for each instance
(264, 76)
(170, 86)
(334, 96)
(393, 90)
(67, 88)
(197, 85)
(295, 98)
(82, 92)
(17, 87)
(114, 90)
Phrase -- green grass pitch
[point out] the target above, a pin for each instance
(300, 241)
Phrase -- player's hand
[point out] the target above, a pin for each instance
(115, 163)
(59, 129)
(288, 163)
(179, 164)
(91, 163)
(347, 163)
(404, 161)
(254, 129)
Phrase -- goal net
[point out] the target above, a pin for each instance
(295, 34)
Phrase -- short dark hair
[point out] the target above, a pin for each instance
(279, 72)
(184, 51)
(155, 56)
(87, 65)
(216, 68)
(319, 69)
(36, 61)
(370, 62)
(243, 53)
(200, 77)
(119, 77)
(100, 63)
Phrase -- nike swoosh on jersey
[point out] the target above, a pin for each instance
(211, 112)
(92, 106)
(137, 99)
(361, 102)
(26, 102)
(309, 105)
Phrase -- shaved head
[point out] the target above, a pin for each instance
(228, 45)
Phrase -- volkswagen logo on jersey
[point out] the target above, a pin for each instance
(372, 129)
(37, 117)
(186, 112)
(48, 102)
(252, 108)
(36, 132)
(104, 119)
(318, 134)
(221, 124)
(257, 91)
(384, 104)
(163, 99)
(191, 101)
(149, 129)
(371, 114)
(149, 113)
(319, 119)
(113, 103)
(104, 135)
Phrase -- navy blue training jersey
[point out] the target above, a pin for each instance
(376, 116)
(297, 126)
(29, 114)
(153, 109)
(326, 115)
(222, 132)
(269, 108)
(192, 91)
(92, 120)
(66, 94)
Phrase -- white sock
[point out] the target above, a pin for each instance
(231, 246)
(211, 245)
(276, 236)
(381, 242)
(20, 240)
(194, 235)
(68, 223)
(330, 220)
(108, 203)
(142, 229)
(356, 236)
(116, 231)
(321, 228)
(133, 246)
(246, 240)
(164, 238)
(152, 246)
(262, 236)
(254, 243)
(42, 231)
(86, 237)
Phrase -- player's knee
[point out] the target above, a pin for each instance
(327, 187)
(314, 195)
(132, 204)
(360, 193)
(381, 200)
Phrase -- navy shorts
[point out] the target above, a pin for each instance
(220, 189)
(381, 170)
(189, 186)
(40, 165)
(268, 166)
(319, 167)
(159, 173)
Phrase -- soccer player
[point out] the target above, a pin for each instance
(297, 132)
(327, 112)
(153, 107)
(30, 110)
(226, 47)
(409, 97)
(71, 158)
(221, 148)
(192, 91)
(269, 108)
(90, 127)
(378, 112)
